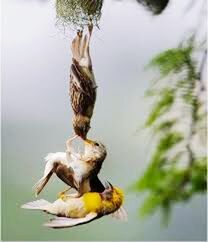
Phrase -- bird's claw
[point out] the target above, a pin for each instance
(79, 33)
(69, 141)
(62, 195)
(90, 27)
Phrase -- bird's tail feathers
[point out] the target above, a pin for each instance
(36, 205)
(120, 214)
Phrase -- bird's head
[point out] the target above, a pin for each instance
(81, 125)
(112, 198)
(112, 193)
(95, 149)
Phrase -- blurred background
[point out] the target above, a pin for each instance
(36, 113)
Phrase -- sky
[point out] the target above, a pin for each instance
(36, 113)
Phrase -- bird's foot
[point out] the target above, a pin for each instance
(62, 195)
(73, 195)
(79, 33)
(90, 27)
(69, 141)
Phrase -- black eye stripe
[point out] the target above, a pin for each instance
(96, 144)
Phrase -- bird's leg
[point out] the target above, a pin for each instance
(74, 195)
(62, 195)
(69, 149)
(86, 47)
(75, 46)
(90, 27)
(69, 141)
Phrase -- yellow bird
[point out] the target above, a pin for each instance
(75, 211)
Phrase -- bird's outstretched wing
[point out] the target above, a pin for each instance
(62, 222)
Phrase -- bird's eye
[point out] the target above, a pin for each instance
(96, 144)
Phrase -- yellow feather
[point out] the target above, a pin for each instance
(92, 201)
(115, 202)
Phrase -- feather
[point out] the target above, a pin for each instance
(120, 214)
(42, 182)
(62, 222)
(49, 169)
(38, 205)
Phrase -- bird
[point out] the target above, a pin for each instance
(71, 211)
(82, 85)
(77, 170)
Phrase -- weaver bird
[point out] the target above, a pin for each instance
(82, 89)
(79, 171)
(88, 207)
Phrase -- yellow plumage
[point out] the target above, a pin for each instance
(72, 211)
(92, 201)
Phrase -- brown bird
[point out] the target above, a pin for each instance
(79, 171)
(82, 83)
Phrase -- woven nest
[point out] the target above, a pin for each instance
(155, 6)
(78, 13)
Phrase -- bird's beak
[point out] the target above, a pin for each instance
(89, 142)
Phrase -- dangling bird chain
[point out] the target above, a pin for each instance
(79, 171)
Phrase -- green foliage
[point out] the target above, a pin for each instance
(173, 60)
(78, 13)
(166, 99)
(174, 178)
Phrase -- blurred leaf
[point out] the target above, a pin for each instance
(150, 205)
(173, 60)
(165, 126)
(176, 178)
(160, 107)
(199, 175)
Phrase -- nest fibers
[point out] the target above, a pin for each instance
(78, 13)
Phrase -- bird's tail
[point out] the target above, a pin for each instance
(120, 214)
(36, 205)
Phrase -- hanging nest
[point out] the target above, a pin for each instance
(78, 13)
(155, 6)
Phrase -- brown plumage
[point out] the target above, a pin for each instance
(79, 171)
(82, 84)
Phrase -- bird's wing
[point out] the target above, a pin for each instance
(38, 205)
(120, 214)
(66, 174)
(96, 185)
(62, 222)
(83, 77)
(82, 94)
(51, 159)
(82, 80)
(42, 182)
